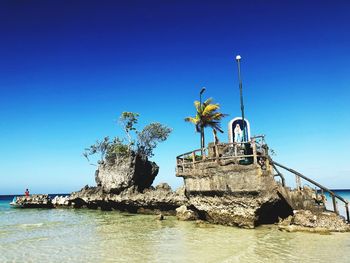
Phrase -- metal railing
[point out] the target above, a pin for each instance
(251, 152)
(333, 195)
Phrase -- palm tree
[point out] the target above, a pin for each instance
(207, 115)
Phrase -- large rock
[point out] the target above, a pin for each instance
(307, 221)
(131, 171)
(185, 214)
(245, 209)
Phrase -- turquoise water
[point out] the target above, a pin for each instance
(343, 193)
(69, 235)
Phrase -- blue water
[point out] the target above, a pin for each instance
(83, 235)
(341, 208)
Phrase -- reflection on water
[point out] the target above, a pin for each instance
(68, 235)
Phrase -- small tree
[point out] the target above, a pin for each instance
(128, 120)
(116, 150)
(146, 140)
(150, 136)
(100, 147)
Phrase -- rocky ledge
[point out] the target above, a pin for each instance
(307, 221)
(32, 201)
(153, 200)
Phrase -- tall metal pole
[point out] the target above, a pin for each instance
(200, 107)
(238, 59)
(200, 96)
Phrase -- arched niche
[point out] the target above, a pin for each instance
(232, 125)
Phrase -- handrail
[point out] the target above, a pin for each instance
(221, 153)
(334, 195)
(278, 172)
(221, 144)
(181, 155)
(311, 181)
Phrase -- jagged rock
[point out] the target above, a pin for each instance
(160, 199)
(32, 201)
(185, 214)
(243, 209)
(163, 187)
(61, 200)
(322, 222)
(125, 173)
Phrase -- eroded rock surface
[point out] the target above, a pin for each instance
(185, 214)
(323, 222)
(61, 201)
(32, 201)
(245, 210)
(131, 171)
(160, 199)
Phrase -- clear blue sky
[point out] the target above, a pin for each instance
(69, 68)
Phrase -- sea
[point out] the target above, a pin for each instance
(82, 235)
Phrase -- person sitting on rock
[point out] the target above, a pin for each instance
(27, 193)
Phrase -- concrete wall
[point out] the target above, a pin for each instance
(215, 178)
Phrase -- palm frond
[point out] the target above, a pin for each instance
(191, 119)
(197, 105)
(207, 115)
(218, 116)
(210, 109)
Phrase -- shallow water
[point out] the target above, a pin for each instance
(68, 235)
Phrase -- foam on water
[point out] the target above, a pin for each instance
(69, 235)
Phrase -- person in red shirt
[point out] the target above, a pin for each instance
(27, 192)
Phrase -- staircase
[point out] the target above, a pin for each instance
(323, 189)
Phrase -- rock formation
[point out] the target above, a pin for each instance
(321, 222)
(160, 199)
(130, 171)
(230, 194)
(233, 195)
(32, 201)
(185, 214)
(61, 201)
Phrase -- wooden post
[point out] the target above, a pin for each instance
(347, 212)
(217, 153)
(316, 194)
(255, 159)
(298, 182)
(335, 209)
(203, 154)
(323, 197)
(193, 159)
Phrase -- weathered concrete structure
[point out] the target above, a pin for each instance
(234, 184)
(216, 178)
